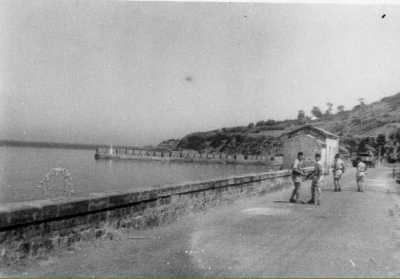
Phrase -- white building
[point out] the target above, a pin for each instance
(309, 140)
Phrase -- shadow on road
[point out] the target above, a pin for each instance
(288, 202)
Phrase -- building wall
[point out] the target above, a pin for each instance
(332, 148)
(305, 143)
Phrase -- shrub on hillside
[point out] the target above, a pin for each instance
(195, 142)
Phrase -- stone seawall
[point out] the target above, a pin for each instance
(31, 229)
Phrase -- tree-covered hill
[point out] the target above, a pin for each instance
(354, 125)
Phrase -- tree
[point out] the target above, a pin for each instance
(381, 142)
(340, 108)
(329, 109)
(395, 136)
(301, 116)
(251, 125)
(351, 143)
(316, 111)
(362, 101)
(260, 123)
(367, 144)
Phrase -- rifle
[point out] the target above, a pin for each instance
(309, 175)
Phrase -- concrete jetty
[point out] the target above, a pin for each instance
(188, 156)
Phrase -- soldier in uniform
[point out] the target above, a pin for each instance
(338, 170)
(316, 176)
(297, 174)
(360, 174)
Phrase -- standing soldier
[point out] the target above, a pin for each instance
(338, 170)
(297, 173)
(360, 175)
(316, 177)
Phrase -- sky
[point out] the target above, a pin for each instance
(138, 73)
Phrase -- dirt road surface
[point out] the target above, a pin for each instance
(350, 234)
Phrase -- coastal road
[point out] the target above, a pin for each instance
(350, 234)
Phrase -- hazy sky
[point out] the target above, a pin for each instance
(140, 72)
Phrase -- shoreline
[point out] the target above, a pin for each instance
(183, 160)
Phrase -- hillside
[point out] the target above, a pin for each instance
(382, 117)
(364, 120)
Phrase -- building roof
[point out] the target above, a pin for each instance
(314, 129)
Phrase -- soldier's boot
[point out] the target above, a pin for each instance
(336, 187)
(292, 198)
(312, 200)
(317, 196)
(295, 194)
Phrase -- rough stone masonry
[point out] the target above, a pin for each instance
(31, 229)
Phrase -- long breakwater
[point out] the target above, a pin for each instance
(275, 162)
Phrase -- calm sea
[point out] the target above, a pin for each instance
(23, 168)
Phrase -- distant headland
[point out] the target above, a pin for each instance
(63, 145)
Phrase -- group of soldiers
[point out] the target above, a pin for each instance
(316, 175)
